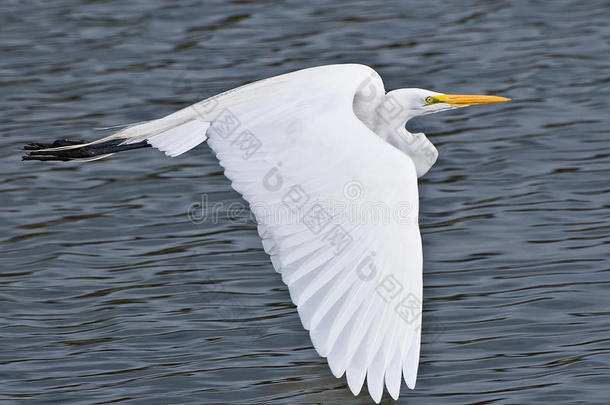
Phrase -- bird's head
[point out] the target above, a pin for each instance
(415, 102)
(399, 106)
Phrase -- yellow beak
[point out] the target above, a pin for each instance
(458, 100)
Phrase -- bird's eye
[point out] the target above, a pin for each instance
(429, 100)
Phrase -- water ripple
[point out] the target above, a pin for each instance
(109, 294)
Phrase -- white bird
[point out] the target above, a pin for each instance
(330, 172)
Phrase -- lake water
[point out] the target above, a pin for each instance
(109, 293)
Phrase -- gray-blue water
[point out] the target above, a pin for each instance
(110, 294)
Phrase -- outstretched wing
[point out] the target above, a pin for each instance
(337, 209)
(336, 206)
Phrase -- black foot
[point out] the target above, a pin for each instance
(84, 152)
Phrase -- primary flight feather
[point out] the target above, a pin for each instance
(324, 160)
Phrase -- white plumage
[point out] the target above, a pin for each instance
(330, 172)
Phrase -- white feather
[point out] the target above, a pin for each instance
(177, 140)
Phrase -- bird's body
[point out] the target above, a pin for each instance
(330, 172)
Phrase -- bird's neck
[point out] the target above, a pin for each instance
(387, 117)
(417, 146)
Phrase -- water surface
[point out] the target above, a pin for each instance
(110, 294)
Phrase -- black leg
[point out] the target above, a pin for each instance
(89, 151)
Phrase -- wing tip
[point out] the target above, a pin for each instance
(411, 383)
(355, 382)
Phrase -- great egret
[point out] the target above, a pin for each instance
(330, 172)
